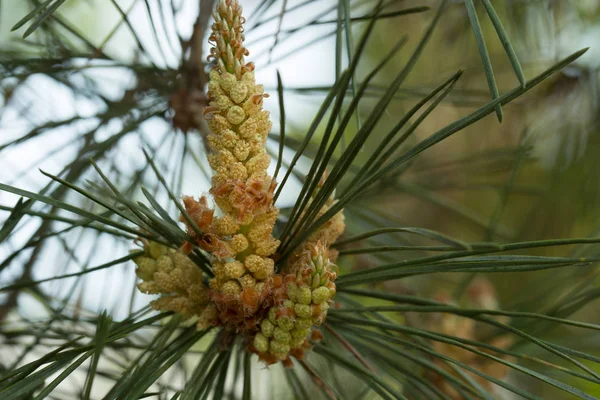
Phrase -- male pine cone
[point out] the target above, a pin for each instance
(241, 240)
(275, 312)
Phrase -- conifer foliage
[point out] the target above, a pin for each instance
(247, 297)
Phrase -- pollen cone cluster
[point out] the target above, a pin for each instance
(241, 239)
(276, 313)
(302, 298)
(175, 277)
(301, 293)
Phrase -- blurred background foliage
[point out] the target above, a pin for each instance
(532, 177)
(535, 176)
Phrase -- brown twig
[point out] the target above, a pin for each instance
(278, 32)
(189, 100)
(8, 305)
(348, 346)
(317, 380)
(194, 66)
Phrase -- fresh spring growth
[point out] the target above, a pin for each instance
(302, 297)
(276, 313)
(302, 293)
